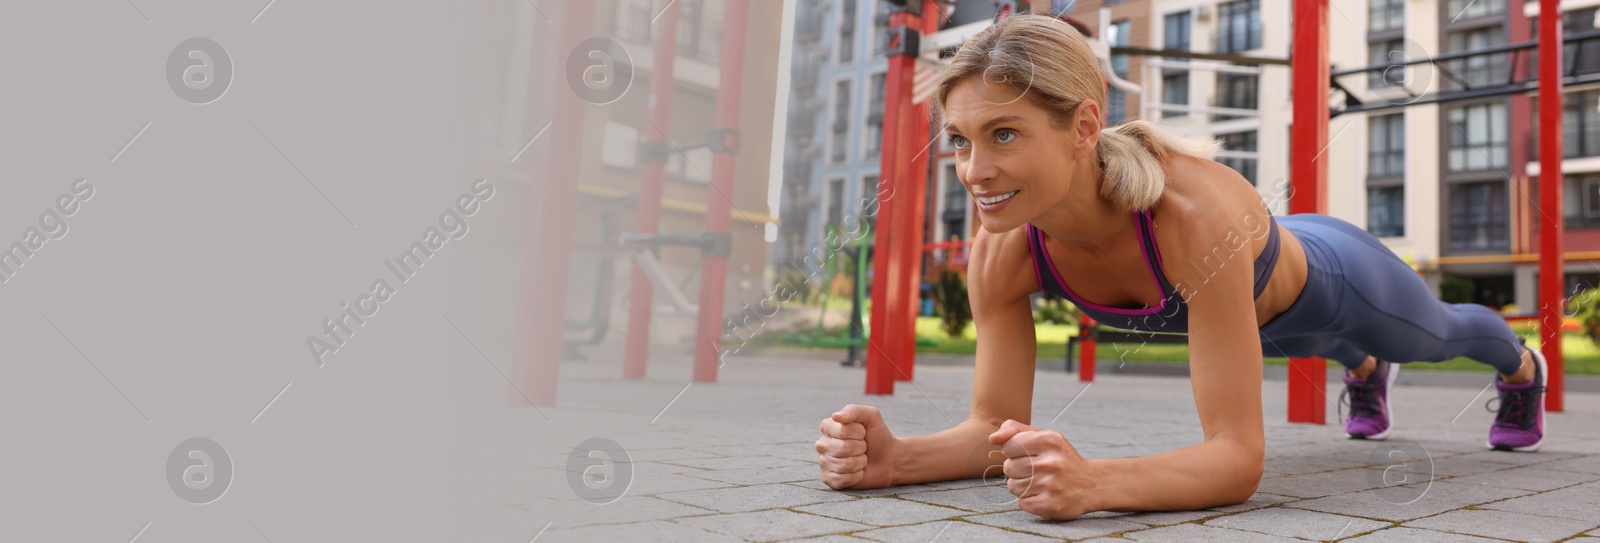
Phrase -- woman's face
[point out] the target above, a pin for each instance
(1015, 164)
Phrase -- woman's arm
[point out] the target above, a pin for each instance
(999, 280)
(1225, 373)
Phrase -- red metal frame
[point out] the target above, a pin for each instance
(1309, 173)
(883, 341)
(647, 214)
(1552, 279)
(719, 202)
(547, 248)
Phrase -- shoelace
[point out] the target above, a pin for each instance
(1362, 399)
(1518, 414)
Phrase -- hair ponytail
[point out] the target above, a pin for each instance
(1130, 159)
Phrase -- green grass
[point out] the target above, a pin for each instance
(1581, 354)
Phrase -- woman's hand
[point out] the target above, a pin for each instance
(856, 449)
(1045, 473)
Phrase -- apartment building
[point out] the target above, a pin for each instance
(1451, 185)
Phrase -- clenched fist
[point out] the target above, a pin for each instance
(856, 449)
(1044, 471)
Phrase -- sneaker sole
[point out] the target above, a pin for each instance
(1388, 409)
(1544, 379)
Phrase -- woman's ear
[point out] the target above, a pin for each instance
(1086, 125)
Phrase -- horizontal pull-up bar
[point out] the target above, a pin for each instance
(1570, 38)
(1237, 59)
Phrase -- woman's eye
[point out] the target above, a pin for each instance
(1005, 136)
(957, 142)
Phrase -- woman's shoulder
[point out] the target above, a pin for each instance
(1001, 263)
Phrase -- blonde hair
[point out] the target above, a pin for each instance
(1051, 65)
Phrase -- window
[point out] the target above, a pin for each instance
(1385, 15)
(841, 122)
(633, 20)
(1478, 216)
(700, 29)
(1238, 26)
(875, 97)
(1175, 91)
(1175, 81)
(869, 194)
(1242, 142)
(699, 25)
(1468, 9)
(847, 31)
(1585, 53)
(1386, 145)
(835, 210)
(1477, 70)
(1176, 31)
(1116, 100)
(1580, 201)
(880, 29)
(1392, 53)
(1237, 91)
(1580, 125)
(1058, 6)
(956, 201)
(1386, 211)
(1477, 137)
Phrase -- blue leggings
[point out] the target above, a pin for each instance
(1360, 299)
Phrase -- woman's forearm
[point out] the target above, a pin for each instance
(1215, 473)
(961, 452)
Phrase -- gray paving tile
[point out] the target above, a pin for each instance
(740, 462)
(981, 499)
(1317, 485)
(1389, 503)
(883, 511)
(1300, 523)
(1577, 503)
(1588, 464)
(772, 525)
(1192, 533)
(1413, 535)
(1079, 528)
(573, 513)
(756, 476)
(1256, 501)
(950, 530)
(890, 491)
(1156, 518)
(1504, 525)
(754, 498)
(1536, 477)
(662, 531)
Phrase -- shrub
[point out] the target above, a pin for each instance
(950, 300)
(1052, 309)
(1586, 308)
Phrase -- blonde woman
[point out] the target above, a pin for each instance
(1141, 230)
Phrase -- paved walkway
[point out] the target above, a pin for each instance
(733, 461)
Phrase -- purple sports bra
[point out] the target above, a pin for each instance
(1172, 313)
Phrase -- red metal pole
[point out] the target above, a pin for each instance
(912, 224)
(1552, 279)
(1086, 367)
(647, 214)
(719, 203)
(883, 343)
(1309, 171)
(547, 248)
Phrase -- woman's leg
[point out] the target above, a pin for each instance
(1389, 312)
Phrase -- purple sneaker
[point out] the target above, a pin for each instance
(1370, 417)
(1519, 423)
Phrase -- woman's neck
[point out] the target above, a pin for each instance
(1084, 220)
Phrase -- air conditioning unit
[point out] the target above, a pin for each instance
(1204, 12)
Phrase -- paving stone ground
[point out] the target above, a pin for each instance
(733, 461)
